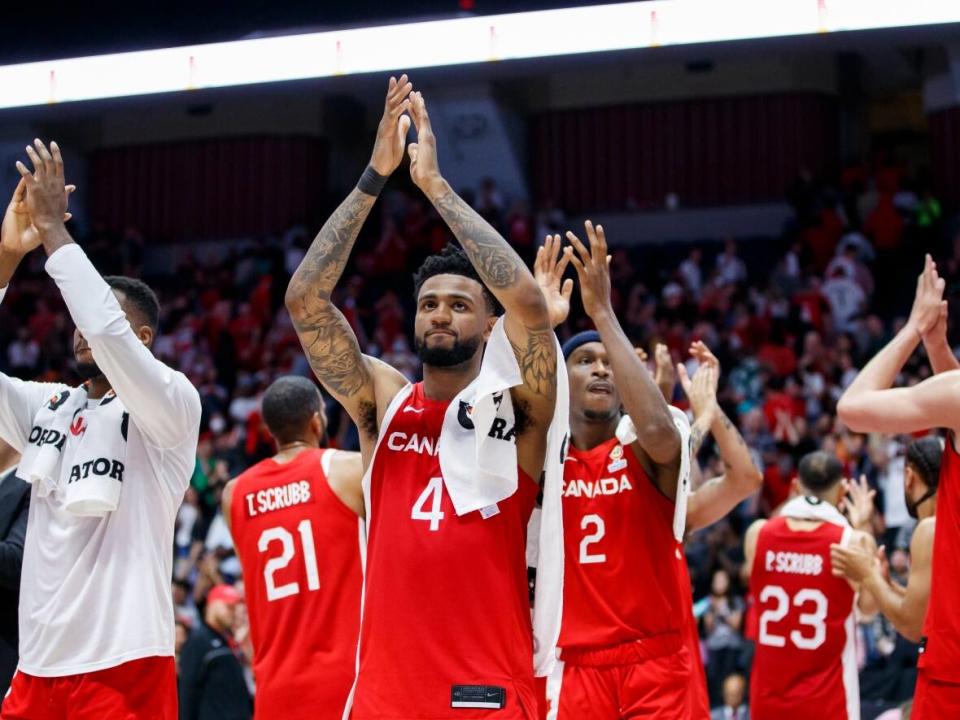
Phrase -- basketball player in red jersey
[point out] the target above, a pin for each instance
(872, 404)
(805, 663)
(446, 629)
(715, 497)
(904, 607)
(623, 650)
(295, 521)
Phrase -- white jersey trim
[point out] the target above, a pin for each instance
(388, 416)
(848, 659)
(554, 686)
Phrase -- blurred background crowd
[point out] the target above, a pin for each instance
(791, 318)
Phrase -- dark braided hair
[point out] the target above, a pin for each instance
(924, 457)
(452, 261)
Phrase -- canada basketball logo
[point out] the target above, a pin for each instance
(78, 426)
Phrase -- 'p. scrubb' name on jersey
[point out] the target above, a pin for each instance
(793, 563)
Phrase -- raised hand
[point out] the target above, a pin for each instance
(548, 271)
(46, 200)
(18, 235)
(858, 503)
(593, 269)
(701, 390)
(424, 167)
(928, 316)
(393, 127)
(853, 561)
(665, 375)
(703, 354)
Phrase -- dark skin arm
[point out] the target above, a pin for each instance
(363, 385)
(526, 318)
(658, 441)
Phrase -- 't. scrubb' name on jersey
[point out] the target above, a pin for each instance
(793, 563)
(278, 498)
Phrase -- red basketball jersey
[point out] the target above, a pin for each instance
(446, 629)
(620, 568)
(805, 665)
(299, 547)
(940, 648)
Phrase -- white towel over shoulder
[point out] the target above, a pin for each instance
(627, 434)
(478, 460)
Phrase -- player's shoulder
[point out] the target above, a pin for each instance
(923, 532)
(342, 465)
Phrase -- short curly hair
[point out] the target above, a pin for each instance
(140, 296)
(452, 261)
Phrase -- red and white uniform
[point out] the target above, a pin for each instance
(623, 637)
(938, 677)
(446, 628)
(805, 664)
(95, 591)
(300, 548)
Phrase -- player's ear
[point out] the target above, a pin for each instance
(317, 426)
(795, 489)
(491, 321)
(146, 335)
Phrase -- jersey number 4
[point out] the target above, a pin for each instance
(432, 493)
(286, 540)
(814, 620)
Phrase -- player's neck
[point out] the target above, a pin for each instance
(288, 452)
(586, 433)
(445, 383)
(97, 387)
(927, 509)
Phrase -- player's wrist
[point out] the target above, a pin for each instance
(372, 181)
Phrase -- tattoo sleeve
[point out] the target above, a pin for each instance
(506, 276)
(326, 336)
(496, 262)
(538, 363)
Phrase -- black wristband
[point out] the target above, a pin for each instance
(371, 182)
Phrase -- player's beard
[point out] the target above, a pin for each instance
(88, 370)
(442, 357)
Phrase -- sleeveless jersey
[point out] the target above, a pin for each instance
(805, 665)
(940, 648)
(300, 549)
(446, 629)
(620, 577)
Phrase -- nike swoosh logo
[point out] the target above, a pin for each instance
(413, 410)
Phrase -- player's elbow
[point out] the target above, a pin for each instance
(300, 296)
(529, 302)
(661, 440)
(852, 413)
(751, 479)
(912, 631)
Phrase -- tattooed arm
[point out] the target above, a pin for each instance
(719, 495)
(658, 441)
(526, 318)
(363, 385)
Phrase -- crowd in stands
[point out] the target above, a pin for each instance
(791, 319)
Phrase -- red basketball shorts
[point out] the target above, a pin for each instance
(144, 689)
(935, 699)
(645, 679)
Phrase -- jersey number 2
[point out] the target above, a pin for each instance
(585, 557)
(814, 620)
(305, 528)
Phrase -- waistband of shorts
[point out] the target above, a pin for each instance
(628, 653)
